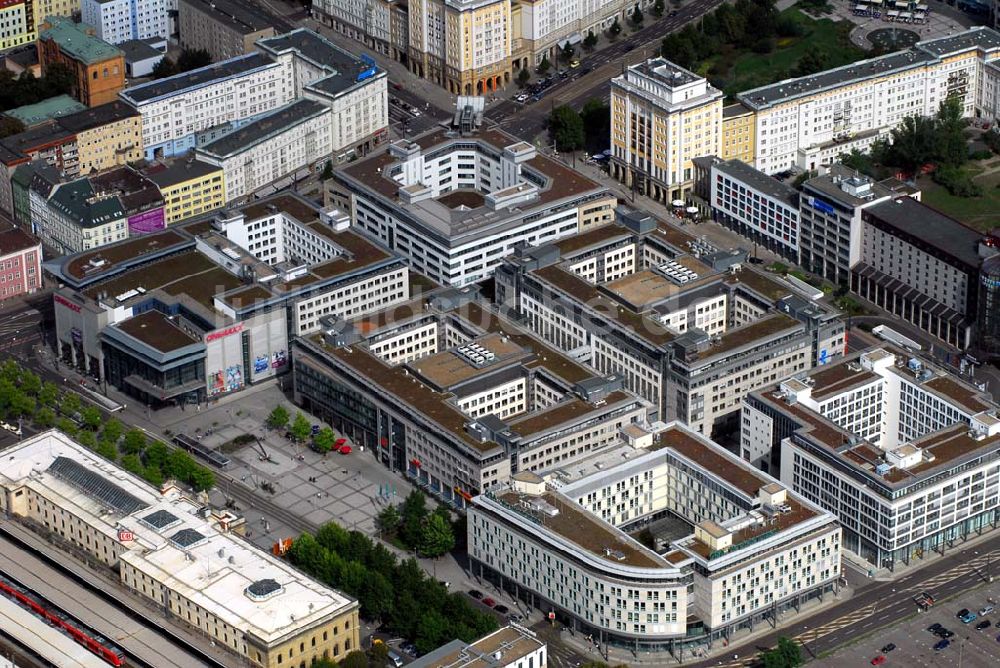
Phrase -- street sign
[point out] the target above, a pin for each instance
(125, 536)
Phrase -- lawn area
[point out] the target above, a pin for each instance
(978, 212)
(738, 70)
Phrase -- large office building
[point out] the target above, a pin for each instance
(117, 21)
(662, 117)
(293, 138)
(184, 110)
(727, 546)
(189, 188)
(807, 122)
(905, 454)
(456, 205)
(209, 306)
(923, 267)
(91, 140)
(353, 87)
(98, 68)
(457, 397)
(94, 211)
(186, 560)
(224, 28)
(462, 45)
(691, 329)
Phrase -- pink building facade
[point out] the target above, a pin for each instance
(20, 263)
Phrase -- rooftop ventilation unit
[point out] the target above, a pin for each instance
(617, 555)
(677, 273)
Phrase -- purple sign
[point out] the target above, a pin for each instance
(146, 222)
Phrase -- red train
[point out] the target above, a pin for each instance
(93, 642)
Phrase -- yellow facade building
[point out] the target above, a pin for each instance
(45, 8)
(191, 565)
(17, 23)
(739, 131)
(189, 188)
(106, 136)
(662, 117)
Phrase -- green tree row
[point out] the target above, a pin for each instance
(396, 593)
(24, 396)
(16, 91)
(189, 59)
(430, 534)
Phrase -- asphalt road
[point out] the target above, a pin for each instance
(528, 120)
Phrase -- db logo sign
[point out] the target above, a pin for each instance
(125, 536)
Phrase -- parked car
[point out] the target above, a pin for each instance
(945, 633)
(962, 613)
(489, 602)
(888, 648)
(941, 644)
(878, 660)
(502, 609)
(476, 594)
(968, 618)
(985, 624)
(575, 63)
(934, 628)
(986, 610)
(344, 449)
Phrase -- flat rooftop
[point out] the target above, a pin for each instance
(33, 114)
(110, 257)
(202, 76)
(976, 37)
(772, 289)
(913, 219)
(759, 330)
(449, 368)
(837, 378)
(511, 642)
(237, 16)
(157, 331)
(74, 40)
(561, 413)
(745, 536)
(759, 181)
(582, 528)
(665, 72)
(736, 472)
(266, 127)
(598, 236)
(170, 174)
(340, 69)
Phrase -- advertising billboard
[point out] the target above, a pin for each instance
(146, 222)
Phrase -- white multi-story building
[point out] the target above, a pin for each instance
(758, 207)
(547, 25)
(510, 647)
(903, 453)
(456, 205)
(270, 148)
(176, 110)
(160, 542)
(562, 540)
(354, 89)
(808, 121)
(662, 117)
(118, 21)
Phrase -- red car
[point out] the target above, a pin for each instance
(344, 449)
(339, 442)
(878, 660)
(489, 602)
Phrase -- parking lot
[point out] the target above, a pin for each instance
(968, 647)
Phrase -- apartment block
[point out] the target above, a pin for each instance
(188, 109)
(455, 396)
(208, 306)
(731, 545)
(224, 28)
(86, 141)
(922, 267)
(456, 205)
(20, 263)
(98, 68)
(117, 21)
(17, 23)
(189, 188)
(289, 139)
(902, 452)
(738, 133)
(159, 541)
(461, 45)
(690, 328)
(807, 122)
(662, 117)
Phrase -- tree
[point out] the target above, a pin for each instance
(914, 143)
(112, 430)
(327, 171)
(596, 116)
(566, 129)
(615, 29)
(163, 69)
(545, 65)
(300, 427)
(132, 464)
(567, 52)
(134, 442)
(432, 631)
(70, 404)
(388, 519)
(354, 659)
(68, 427)
(413, 513)
(811, 62)
(155, 455)
(377, 596)
(436, 537)
(10, 126)
(523, 77)
(88, 440)
(104, 449)
(45, 417)
(786, 654)
(590, 41)
(952, 148)
(278, 417)
(636, 16)
(324, 439)
(91, 418)
(201, 479)
(49, 394)
(192, 59)
(658, 8)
